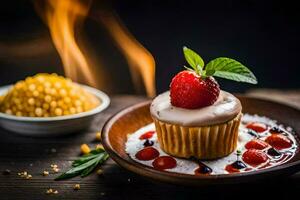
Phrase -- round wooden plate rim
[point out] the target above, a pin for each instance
(136, 167)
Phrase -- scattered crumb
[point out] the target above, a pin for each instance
(6, 172)
(45, 173)
(54, 168)
(24, 175)
(51, 191)
(85, 149)
(98, 136)
(99, 171)
(29, 176)
(76, 187)
(102, 193)
(31, 164)
(129, 180)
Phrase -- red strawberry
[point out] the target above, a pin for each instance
(279, 141)
(256, 126)
(164, 162)
(256, 144)
(148, 153)
(191, 91)
(254, 157)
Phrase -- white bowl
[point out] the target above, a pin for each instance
(49, 126)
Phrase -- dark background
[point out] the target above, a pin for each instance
(263, 35)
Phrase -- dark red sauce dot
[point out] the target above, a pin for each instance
(148, 143)
(235, 167)
(276, 130)
(203, 169)
(273, 152)
(147, 135)
(230, 169)
(148, 153)
(164, 162)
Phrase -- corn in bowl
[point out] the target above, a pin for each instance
(47, 95)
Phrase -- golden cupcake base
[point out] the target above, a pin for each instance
(205, 142)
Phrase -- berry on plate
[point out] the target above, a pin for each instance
(258, 127)
(256, 144)
(164, 162)
(148, 153)
(279, 141)
(254, 157)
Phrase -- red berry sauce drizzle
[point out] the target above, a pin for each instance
(271, 146)
(266, 146)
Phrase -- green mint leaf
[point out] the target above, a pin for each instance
(193, 59)
(77, 170)
(89, 170)
(83, 159)
(85, 164)
(94, 153)
(101, 158)
(230, 69)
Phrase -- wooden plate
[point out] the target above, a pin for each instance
(132, 118)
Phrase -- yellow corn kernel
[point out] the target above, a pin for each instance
(48, 98)
(31, 87)
(53, 104)
(46, 106)
(85, 149)
(19, 114)
(76, 187)
(35, 93)
(62, 92)
(72, 110)
(79, 109)
(38, 112)
(98, 136)
(58, 111)
(31, 101)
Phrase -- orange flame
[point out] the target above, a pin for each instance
(140, 61)
(62, 16)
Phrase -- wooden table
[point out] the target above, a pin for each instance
(34, 155)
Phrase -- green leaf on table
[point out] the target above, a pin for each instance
(230, 69)
(85, 164)
(87, 157)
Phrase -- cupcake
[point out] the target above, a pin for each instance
(195, 118)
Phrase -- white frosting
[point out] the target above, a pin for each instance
(224, 109)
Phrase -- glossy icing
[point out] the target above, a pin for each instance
(224, 109)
